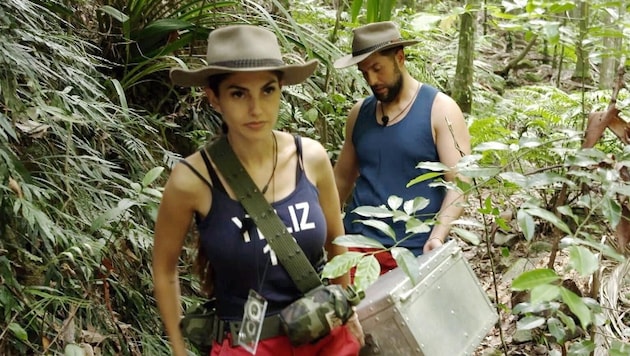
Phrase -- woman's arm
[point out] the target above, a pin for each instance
(173, 222)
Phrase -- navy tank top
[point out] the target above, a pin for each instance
(239, 254)
(387, 159)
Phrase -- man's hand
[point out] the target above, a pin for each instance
(432, 243)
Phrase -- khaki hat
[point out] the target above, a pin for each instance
(371, 38)
(242, 48)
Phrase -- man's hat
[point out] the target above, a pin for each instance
(242, 48)
(371, 38)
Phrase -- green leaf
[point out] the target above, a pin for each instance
(18, 331)
(341, 264)
(368, 270)
(550, 217)
(566, 320)
(355, 8)
(433, 166)
(423, 177)
(516, 178)
(556, 329)
(583, 260)
(467, 235)
(530, 279)
(415, 226)
(526, 223)
(416, 204)
(151, 176)
(611, 210)
(73, 350)
(354, 240)
(373, 212)
(618, 348)
(381, 226)
(115, 13)
(530, 322)
(544, 293)
(577, 306)
(479, 172)
(394, 202)
(495, 146)
(408, 262)
(582, 348)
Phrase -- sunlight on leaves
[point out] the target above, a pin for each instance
(394, 202)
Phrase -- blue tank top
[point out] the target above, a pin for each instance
(387, 158)
(240, 256)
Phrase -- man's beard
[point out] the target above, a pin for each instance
(393, 90)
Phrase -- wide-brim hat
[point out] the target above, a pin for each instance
(371, 38)
(242, 48)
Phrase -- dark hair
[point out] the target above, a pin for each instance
(204, 270)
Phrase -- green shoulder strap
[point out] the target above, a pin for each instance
(281, 241)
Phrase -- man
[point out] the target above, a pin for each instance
(404, 123)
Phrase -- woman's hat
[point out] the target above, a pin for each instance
(242, 48)
(371, 38)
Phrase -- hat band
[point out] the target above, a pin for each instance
(250, 63)
(375, 47)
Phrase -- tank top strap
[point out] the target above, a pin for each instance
(216, 182)
(298, 148)
(196, 172)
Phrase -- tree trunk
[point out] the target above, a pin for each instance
(462, 85)
(610, 60)
(582, 73)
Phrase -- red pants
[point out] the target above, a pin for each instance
(384, 258)
(340, 342)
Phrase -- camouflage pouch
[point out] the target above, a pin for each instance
(199, 325)
(313, 316)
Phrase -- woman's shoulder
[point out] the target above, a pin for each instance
(185, 175)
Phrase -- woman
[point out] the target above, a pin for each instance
(243, 81)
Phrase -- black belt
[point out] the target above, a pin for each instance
(272, 327)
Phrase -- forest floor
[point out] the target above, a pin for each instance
(503, 338)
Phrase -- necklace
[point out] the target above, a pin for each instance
(275, 163)
(386, 120)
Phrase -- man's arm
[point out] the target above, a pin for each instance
(452, 142)
(347, 166)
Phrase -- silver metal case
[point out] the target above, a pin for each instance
(447, 313)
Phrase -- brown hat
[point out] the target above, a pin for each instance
(242, 48)
(370, 38)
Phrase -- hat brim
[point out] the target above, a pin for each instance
(293, 73)
(349, 59)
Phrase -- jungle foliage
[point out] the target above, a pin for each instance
(90, 125)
